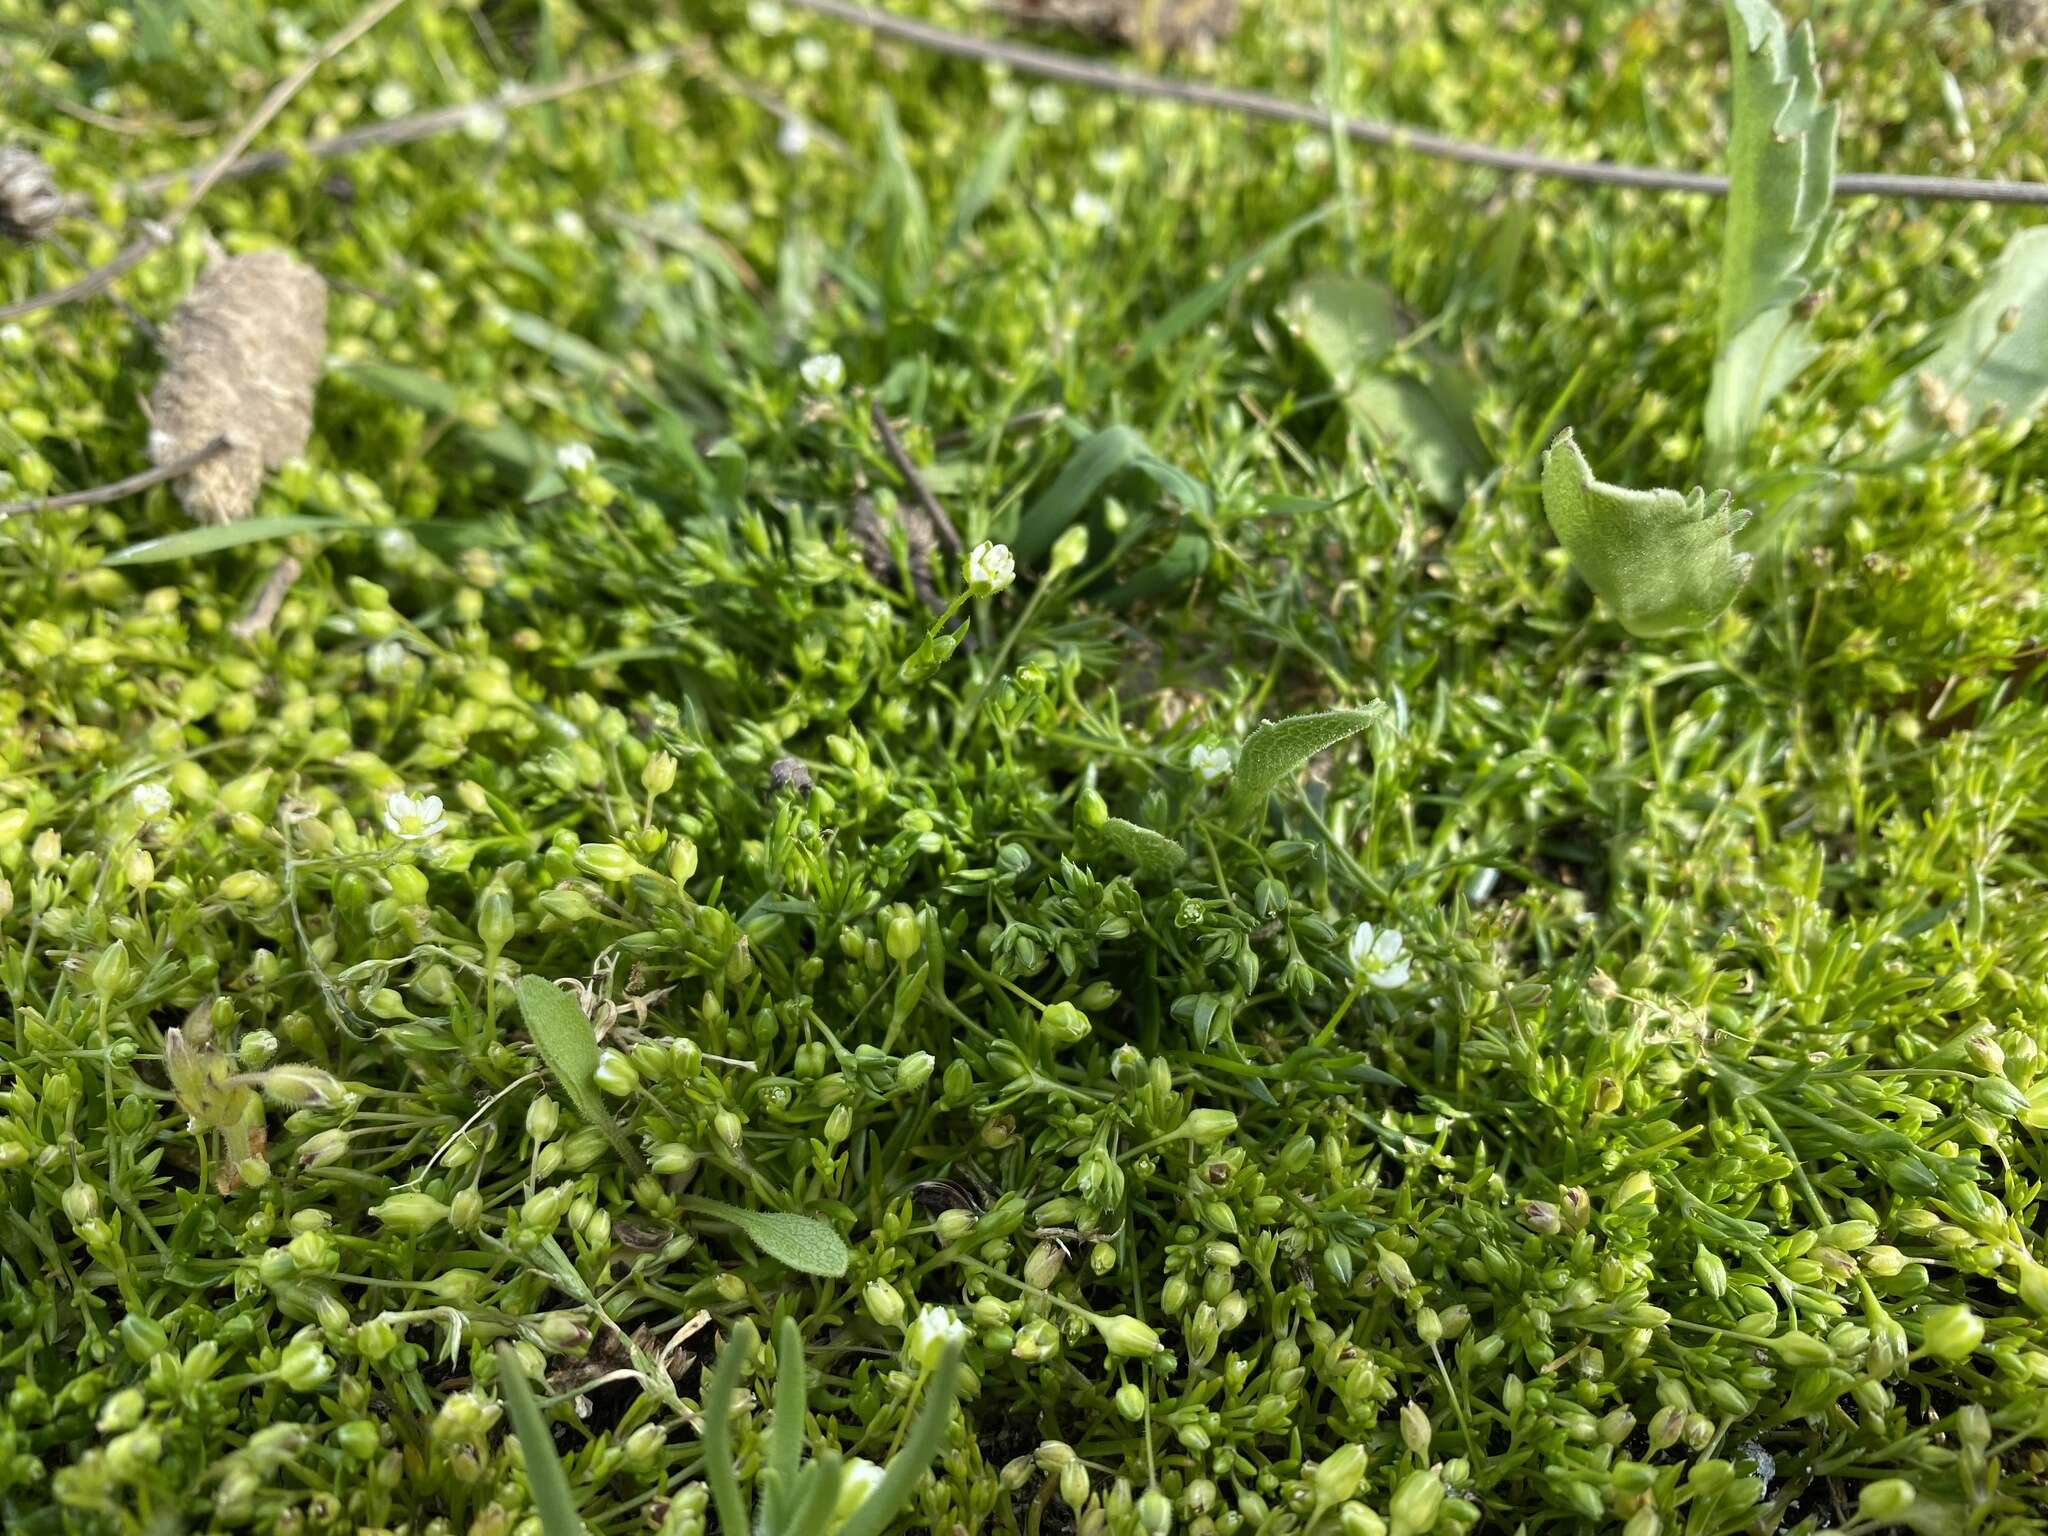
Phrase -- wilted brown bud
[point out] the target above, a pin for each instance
(29, 199)
(245, 351)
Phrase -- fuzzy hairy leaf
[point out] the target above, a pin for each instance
(1781, 171)
(1976, 362)
(1413, 402)
(567, 1042)
(1153, 856)
(1664, 562)
(552, 1500)
(804, 1243)
(1278, 748)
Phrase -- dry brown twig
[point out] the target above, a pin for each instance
(157, 232)
(99, 495)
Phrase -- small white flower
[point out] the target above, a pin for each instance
(569, 224)
(767, 18)
(1311, 152)
(811, 54)
(1211, 761)
(990, 568)
(822, 372)
(575, 459)
(793, 138)
(414, 820)
(1006, 95)
(291, 36)
(860, 1478)
(150, 800)
(1380, 956)
(1112, 162)
(106, 99)
(1089, 210)
(484, 123)
(933, 1330)
(1047, 106)
(385, 662)
(391, 99)
(105, 39)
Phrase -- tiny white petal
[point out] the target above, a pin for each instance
(794, 137)
(575, 458)
(822, 372)
(151, 799)
(990, 568)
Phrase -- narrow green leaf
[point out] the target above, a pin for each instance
(568, 350)
(1277, 750)
(567, 1042)
(786, 1432)
(544, 1475)
(816, 1496)
(190, 543)
(1781, 169)
(1153, 856)
(986, 179)
(1098, 460)
(721, 1471)
(907, 235)
(1204, 301)
(1413, 402)
(803, 1243)
(1665, 563)
(907, 1467)
(1991, 353)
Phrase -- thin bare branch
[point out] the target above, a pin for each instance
(157, 232)
(1050, 64)
(948, 534)
(99, 495)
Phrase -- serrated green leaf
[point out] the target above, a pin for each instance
(567, 1043)
(1278, 748)
(804, 1243)
(1781, 170)
(1154, 857)
(1414, 403)
(552, 1500)
(1975, 359)
(1665, 563)
(190, 543)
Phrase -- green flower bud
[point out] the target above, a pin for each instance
(884, 1303)
(466, 1210)
(1801, 1349)
(1417, 1503)
(615, 1074)
(1885, 1501)
(1415, 1428)
(1064, 1024)
(658, 777)
(914, 1071)
(1208, 1125)
(304, 1366)
(495, 921)
(322, 1148)
(607, 861)
(901, 935)
(411, 1211)
(1155, 1513)
(1130, 1401)
(1951, 1333)
(1128, 1336)
(1340, 1476)
(543, 1118)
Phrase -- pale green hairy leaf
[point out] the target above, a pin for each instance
(1277, 750)
(190, 543)
(1153, 856)
(1412, 402)
(1781, 169)
(552, 1500)
(1991, 353)
(803, 1243)
(567, 1042)
(1665, 563)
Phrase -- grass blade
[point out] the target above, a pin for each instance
(190, 543)
(720, 1470)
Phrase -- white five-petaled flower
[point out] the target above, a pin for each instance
(822, 372)
(793, 138)
(150, 800)
(990, 568)
(391, 99)
(414, 819)
(575, 459)
(1212, 762)
(1380, 956)
(933, 1329)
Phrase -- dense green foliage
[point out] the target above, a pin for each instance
(1601, 1085)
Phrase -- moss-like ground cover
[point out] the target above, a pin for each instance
(1675, 1166)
